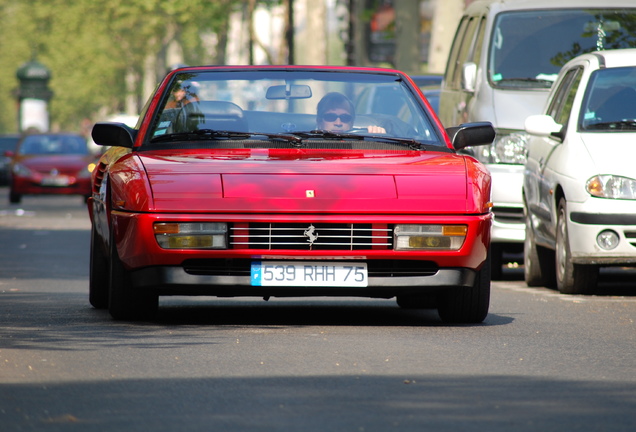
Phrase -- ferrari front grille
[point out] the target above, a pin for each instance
(311, 236)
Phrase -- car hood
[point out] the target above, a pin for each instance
(269, 181)
(611, 153)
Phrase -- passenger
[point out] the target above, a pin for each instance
(183, 93)
(336, 114)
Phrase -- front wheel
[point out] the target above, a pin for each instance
(467, 304)
(14, 198)
(98, 276)
(124, 301)
(571, 278)
(538, 262)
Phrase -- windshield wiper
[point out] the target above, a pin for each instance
(411, 143)
(327, 134)
(613, 125)
(213, 134)
(200, 134)
(293, 139)
(542, 81)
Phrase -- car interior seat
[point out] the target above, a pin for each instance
(217, 115)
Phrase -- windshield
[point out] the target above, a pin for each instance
(8, 143)
(53, 145)
(610, 100)
(290, 105)
(530, 47)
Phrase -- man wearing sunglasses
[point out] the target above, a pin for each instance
(336, 114)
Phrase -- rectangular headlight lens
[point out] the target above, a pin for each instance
(429, 237)
(191, 235)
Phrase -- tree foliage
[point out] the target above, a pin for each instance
(92, 47)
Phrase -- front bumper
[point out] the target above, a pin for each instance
(28, 186)
(508, 224)
(176, 281)
(587, 220)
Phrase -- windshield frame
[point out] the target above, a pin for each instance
(319, 76)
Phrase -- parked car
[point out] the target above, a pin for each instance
(8, 143)
(51, 163)
(243, 181)
(504, 58)
(579, 183)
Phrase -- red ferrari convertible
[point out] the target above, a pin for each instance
(277, 181)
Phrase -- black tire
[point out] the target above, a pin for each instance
(125, 302)
(467, 304)
(417, 301)
(14, 198)
(99, 274)
(571, 278)
(538, 262)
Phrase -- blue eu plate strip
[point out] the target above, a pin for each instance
(256, 273)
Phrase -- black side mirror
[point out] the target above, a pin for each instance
(113, 134)
(471, 134)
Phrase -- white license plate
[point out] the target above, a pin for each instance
(309, 274)
(55, 181)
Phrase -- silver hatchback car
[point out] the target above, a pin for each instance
(579, 181)
(502, 64)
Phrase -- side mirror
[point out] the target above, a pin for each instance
(471, 134)
(469, 76)
(113, 134)
(543, 125)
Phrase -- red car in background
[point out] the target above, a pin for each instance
(51, 163)
(264, 181)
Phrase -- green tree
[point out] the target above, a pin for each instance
(92, 48)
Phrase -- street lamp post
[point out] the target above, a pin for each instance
(33, 95)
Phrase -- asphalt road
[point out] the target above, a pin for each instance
(540, 362)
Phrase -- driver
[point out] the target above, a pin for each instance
(336, 114)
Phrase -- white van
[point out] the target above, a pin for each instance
(505, 56)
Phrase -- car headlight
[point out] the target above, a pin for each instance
(610, 186)
(21, 170)
(191, 235)
(507, 148)
(429, 237)
(86, 172)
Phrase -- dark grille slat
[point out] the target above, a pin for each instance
(329, 236)
(508, 214)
